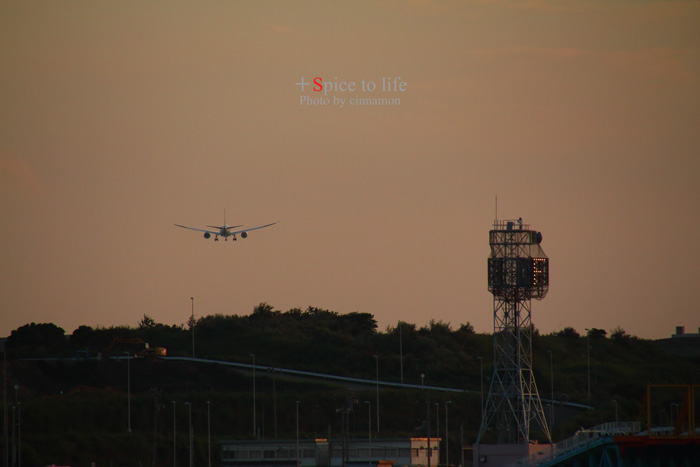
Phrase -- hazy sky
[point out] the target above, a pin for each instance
(119, 119)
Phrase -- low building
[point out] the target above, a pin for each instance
(397, 452)
(681, 343)
(680, 332)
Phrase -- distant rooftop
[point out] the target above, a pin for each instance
(681, 343)
(680, 332)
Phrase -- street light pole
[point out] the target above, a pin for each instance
(401, 350)
(447, 437)
(255, 428)
(461, 443)
(376, 359)
(298, 458)
(189, 407)
(427, 404)
(551, 390)
(437, 430)
(174, 438)
(19, 434)
(128, 392)
(481, 374)
(4, 407)
(369, 430)
(588, 360)
(209, 430)
(274, 397)
(192, 325)
(14, 424)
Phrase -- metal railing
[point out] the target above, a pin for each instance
(584, 439)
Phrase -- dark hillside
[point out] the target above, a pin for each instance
(75, 407)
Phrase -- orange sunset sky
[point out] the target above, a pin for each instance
(120, 119)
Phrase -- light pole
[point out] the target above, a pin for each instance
(15, 410)
(461, 443)
(4, 406)
(437, 430)
(128, 392)
(192, 325)
(209, 430)
(437, 419)
(588, 360)
(401, 350)
(481, 375)
(447, 437)
(615, 402)
(255, 428)
(298, 458)
(189, 407)
(427, 405)
(422, 381)
(369, 430)
(14, 424)
(274, 397)
(376, 359)
(551, 391)
(19, 434)
(174, 438)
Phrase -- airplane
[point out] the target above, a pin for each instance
(225, 230)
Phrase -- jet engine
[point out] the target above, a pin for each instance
(244, 234)
(207, 235)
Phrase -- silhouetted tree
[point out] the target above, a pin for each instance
(568, 333)
(466, 330)
(36, 338)
(81, 337)
(358, 322)
(595, 333)
(618, 335)
(147, 322)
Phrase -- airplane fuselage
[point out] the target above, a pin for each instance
(225, 232)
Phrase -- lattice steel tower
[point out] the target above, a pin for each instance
(518, 271)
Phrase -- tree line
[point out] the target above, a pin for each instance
(351, 344)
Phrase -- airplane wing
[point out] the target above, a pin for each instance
(212, 232)
(252, 228)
